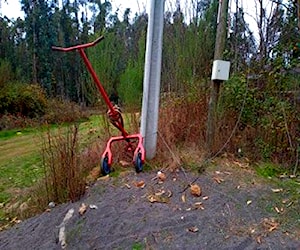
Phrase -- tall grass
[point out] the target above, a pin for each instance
(64, 173)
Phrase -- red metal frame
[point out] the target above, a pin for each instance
(118, 120)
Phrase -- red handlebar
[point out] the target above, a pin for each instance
(81, 46)
(119, 121)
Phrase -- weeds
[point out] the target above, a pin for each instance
(63, 172)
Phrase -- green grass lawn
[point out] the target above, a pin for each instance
(21, 156)
(21, 153)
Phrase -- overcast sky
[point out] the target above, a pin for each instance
(12, 9)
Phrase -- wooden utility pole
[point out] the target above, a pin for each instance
(215, 84)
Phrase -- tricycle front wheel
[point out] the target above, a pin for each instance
(138, 163)
(104, 166)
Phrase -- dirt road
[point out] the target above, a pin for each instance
(235, 211)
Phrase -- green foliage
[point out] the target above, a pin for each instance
(6, 73)
(22, 99)
(107, 61)
(268, 170)
(268, 110)
(237, 94)
(137, 246)
(130, 88)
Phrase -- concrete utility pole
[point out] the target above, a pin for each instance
(152, 74)
(215, 84)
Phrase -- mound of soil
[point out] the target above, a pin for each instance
(142, 212)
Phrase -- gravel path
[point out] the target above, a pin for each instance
(231, 213)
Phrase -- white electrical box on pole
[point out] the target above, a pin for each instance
(152, 76)
(220, 72)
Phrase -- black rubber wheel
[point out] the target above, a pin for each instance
(138, 163)
(104, 166)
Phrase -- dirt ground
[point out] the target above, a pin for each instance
(236, 210)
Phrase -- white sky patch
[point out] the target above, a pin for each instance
(12, 8)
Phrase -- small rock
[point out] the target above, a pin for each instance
(51, 204)
(93, 206)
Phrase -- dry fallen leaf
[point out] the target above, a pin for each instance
(198, 205)
(193, 229)
(270, 224)
(160, 192)
(277, 190)
(82, 208)
(169, 194)
(195, 190)
(218, 179)
(140, 184)
(127, 185)
(183, 198)
(104, 178)
(258, 239)
(160, 196)
(152, 198)
(161, 176)
(278, 210)
(271, 229)
(157, 198)
(124, 163)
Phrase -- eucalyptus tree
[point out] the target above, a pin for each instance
(100, 11)
(38, 40)
(241, 44)
(6, 39)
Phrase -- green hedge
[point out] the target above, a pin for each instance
(22, 99)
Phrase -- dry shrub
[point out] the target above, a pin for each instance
(59, 111)
(64, 173)
(277, 144)
(67, 172)
(183, 122)
(181, 135)
(134, 121)
(8, 121)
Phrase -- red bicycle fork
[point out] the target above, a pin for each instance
(116, 117)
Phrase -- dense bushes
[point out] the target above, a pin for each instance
(260, 124)
(23, 100)
(269, 121)
(23, 105)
